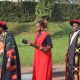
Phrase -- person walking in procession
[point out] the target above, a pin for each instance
(9, 57)
(73, 53)
(42, 67)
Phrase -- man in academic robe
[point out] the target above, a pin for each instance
(73, 53)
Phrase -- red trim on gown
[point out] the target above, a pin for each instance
(66, 68)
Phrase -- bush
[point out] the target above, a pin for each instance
(65, 11)
(43, 10)
(29, 11)
(20, 12)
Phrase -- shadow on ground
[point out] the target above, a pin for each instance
(65, 30)
(54, 74)
(59, 74)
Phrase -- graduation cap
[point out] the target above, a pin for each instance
(74, 21)
(3, 25)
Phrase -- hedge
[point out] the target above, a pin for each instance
(65, 11)
(20, 12)
(29, 11)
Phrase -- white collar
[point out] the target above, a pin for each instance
(73, 36)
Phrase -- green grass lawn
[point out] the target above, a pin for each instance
(59, 32)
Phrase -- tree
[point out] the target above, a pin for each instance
(47, 1)
(44, 8)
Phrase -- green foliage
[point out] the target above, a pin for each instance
(40, 10)
(58, 11)
(47, 1)
(29, 11)
(65, 11)
(43, 9)
(20, 12)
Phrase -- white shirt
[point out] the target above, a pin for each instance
(74, 35)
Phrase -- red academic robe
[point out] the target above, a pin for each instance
(42, 68)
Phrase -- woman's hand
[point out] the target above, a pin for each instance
(30, 43)
(45, 49)
(41, 48)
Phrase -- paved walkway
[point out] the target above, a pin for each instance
(58, 72)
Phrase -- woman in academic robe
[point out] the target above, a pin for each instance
(42, 67)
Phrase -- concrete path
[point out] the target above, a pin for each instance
(26, 77)
(58, 72)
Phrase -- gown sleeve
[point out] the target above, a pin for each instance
(47, 41)
(13, 57)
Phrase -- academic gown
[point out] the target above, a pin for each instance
(42, 67)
